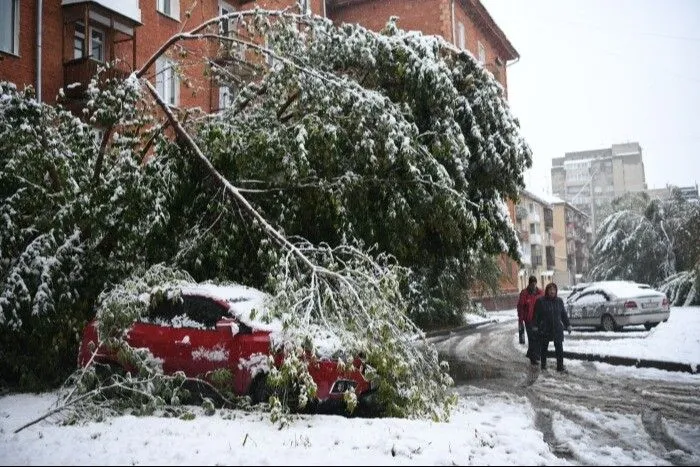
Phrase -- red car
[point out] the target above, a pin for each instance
(213, 328)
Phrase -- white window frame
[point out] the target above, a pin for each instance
(482, 52)
(10, 26)
(170, 8)
(80, 35)
(226, 96)
(461, 36)
(167, 81)
(226, 8)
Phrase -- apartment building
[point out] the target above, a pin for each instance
(54, 44)
(571, 238)
(534, 223)
(554, 240)
(689, 193)
(592, 179)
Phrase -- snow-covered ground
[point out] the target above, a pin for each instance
(496, 429)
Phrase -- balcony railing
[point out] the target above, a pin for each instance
(78, 73)
(535, 239)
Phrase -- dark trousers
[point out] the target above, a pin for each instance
(533, 344)
(558, 352)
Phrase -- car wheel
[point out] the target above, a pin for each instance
(608, 323)
(260, 391)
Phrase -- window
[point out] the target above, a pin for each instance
(169, 7)
(482, 53)
(225, 26)
(167, 82)
(97, 41)
(202, 310)
(9, 26)
(461, 36)
(226, 96)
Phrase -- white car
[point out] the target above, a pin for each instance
(610, 305)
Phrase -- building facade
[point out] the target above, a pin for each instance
(534, 223)
(689, 193)
(571, 238)
(59, 44)
(591, 179)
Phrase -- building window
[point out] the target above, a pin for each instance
(482, 53)
(169, 7)
(9, 26)
(97, 42)
(461, 36)
(225, 26)
(226, 96)
(167, 82)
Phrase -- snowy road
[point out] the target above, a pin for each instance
(589, 414)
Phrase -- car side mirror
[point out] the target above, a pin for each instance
(227, 325)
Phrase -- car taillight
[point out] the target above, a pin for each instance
(630, 304)
(664, 302)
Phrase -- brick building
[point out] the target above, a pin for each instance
(132, 30)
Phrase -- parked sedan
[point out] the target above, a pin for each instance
(610, 305)
(209, 327)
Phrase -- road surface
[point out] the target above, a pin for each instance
(587, 416)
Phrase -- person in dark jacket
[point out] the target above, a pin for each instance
(526, 317)
(550, 321)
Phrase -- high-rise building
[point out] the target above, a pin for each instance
(590, 180)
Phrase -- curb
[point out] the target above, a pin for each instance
(448, 332)
(611, 360)
(626, 361)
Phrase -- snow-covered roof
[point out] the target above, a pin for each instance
(247, 304)
(127, 8)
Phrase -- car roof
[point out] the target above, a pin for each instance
(622, 289)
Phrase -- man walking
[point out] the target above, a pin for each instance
(526, 316)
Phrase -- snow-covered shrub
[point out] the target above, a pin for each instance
(73, 217)
(683, 288)
(647, 240)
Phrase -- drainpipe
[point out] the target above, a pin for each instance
(454, 37)
(39, 12)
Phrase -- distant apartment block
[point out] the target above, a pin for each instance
(571, 235)
(534, 222)
(689, 193)
(554, 240)
(592, 179)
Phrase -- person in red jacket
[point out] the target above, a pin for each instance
(526, 316)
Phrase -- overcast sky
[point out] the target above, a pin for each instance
(596, 72)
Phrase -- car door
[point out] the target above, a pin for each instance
(201, 347)
(587, 308)
(156, 333)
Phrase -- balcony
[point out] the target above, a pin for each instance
(95, 32)
(78, 73)
(535, 239)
